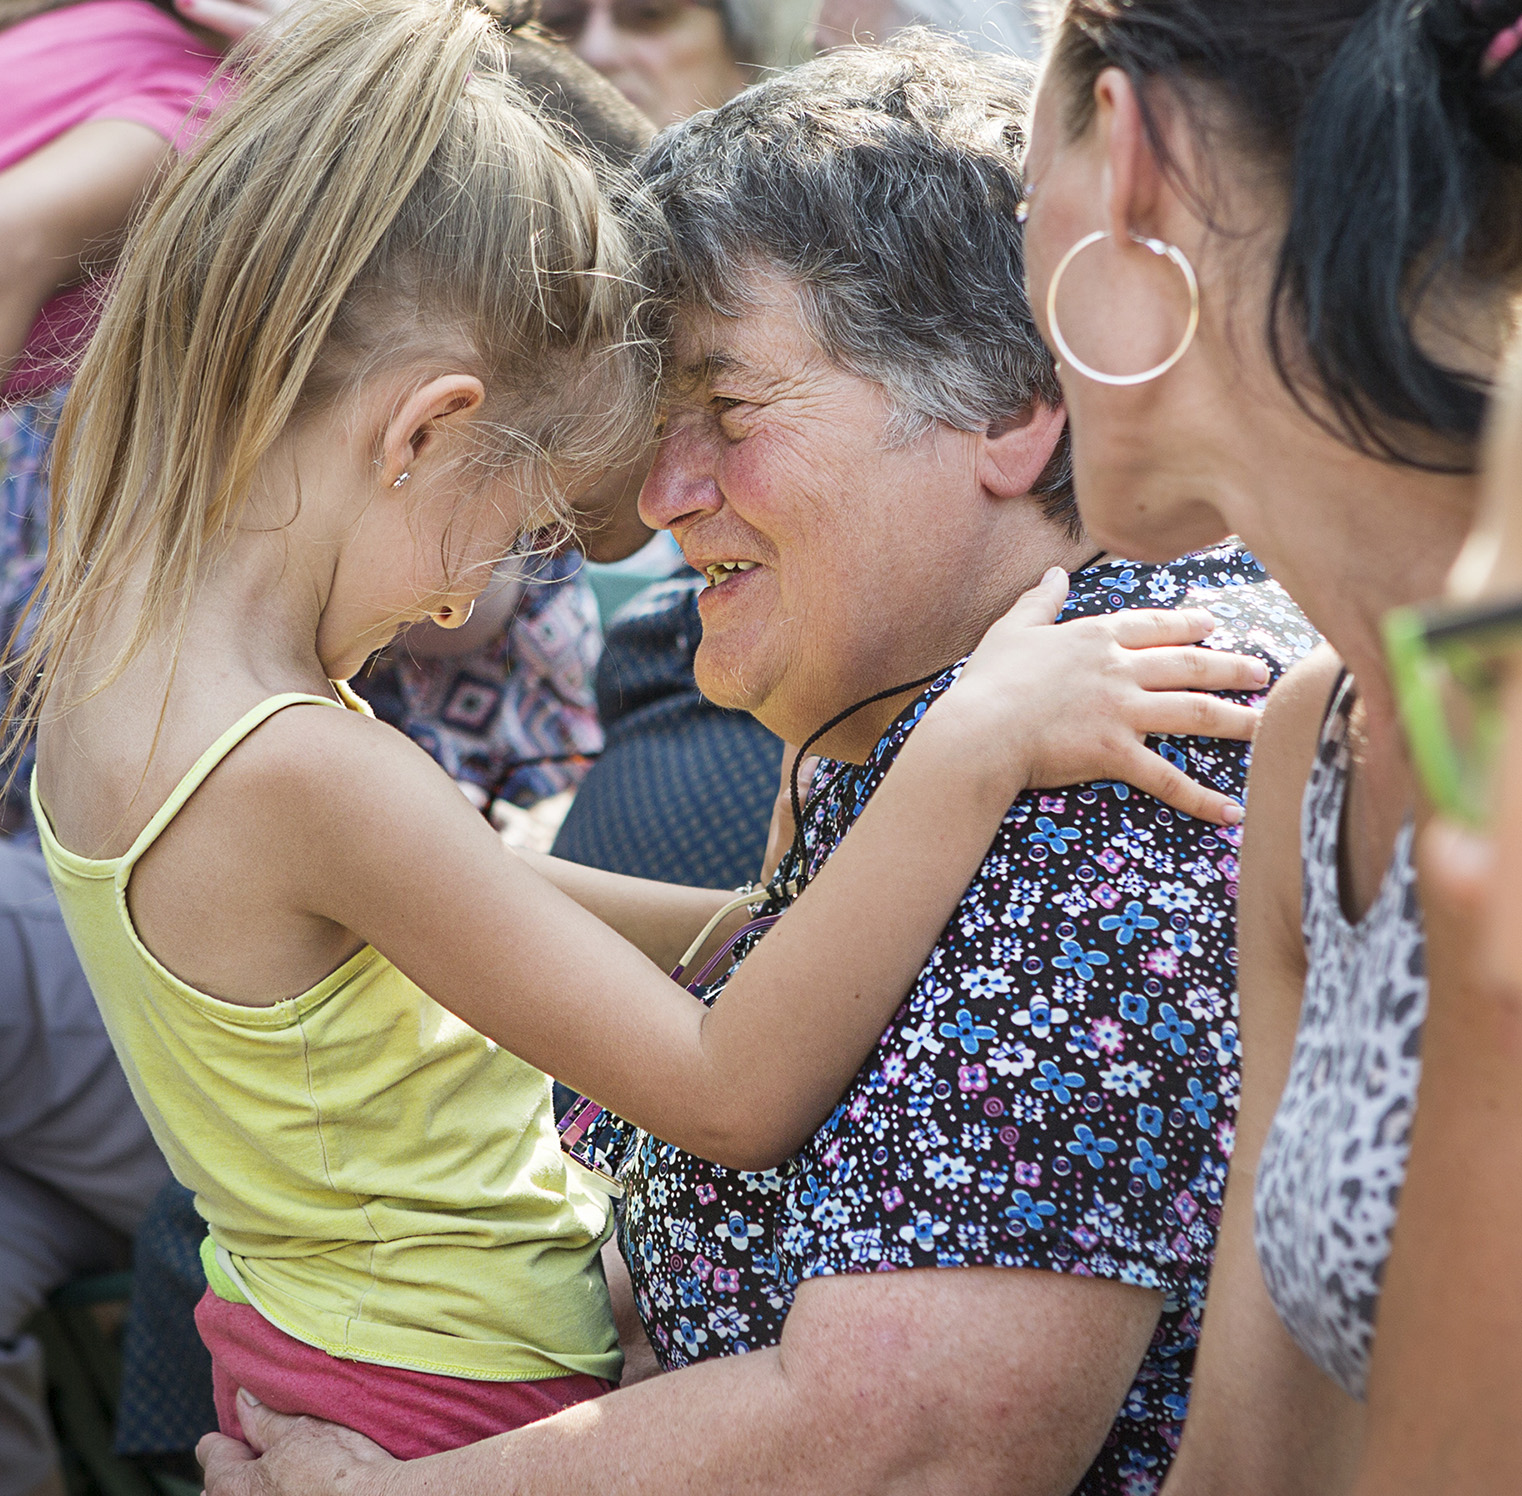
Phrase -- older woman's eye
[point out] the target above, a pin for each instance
(730, 416)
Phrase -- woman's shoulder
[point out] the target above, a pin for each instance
(1293, 717)
(1284, 754)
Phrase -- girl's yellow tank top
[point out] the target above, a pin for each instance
(379, 1180)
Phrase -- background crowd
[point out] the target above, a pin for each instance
(1159, 1081)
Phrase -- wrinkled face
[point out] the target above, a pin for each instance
(669, 58)
(839, 563)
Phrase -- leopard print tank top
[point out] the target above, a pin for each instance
(1332, 1167)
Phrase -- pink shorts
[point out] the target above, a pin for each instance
(408, 1413)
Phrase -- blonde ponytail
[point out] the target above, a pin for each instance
(378, 192)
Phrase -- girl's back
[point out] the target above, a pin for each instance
(353, 1148)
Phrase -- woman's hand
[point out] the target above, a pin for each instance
(287, 1455)
(1075, 701)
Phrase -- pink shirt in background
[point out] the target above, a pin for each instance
(102, 59)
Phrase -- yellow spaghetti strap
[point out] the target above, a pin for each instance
(196, 776)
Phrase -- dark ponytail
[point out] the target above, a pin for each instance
(1401, 150)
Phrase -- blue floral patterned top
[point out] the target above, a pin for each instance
(1059, 1090)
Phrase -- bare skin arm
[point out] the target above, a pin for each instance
(746, 1082)
(660, 919)
(333, 865)
(1445, 1382)
(663, 919)
(62, 205)
(959, 1381)
(1263, 1420)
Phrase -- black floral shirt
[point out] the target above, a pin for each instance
(1058, 1091)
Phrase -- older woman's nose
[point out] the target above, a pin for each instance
(681, 486)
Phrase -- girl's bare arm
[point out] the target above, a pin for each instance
(360, 833)
(659, 919)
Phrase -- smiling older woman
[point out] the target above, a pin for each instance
(985, 1272)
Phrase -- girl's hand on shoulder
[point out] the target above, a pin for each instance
(1067, 703)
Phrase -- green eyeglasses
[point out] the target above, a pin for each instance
(1450, 664)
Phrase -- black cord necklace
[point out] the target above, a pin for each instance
(798, 850)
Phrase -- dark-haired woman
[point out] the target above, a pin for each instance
(1275, 246)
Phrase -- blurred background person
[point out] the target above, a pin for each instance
(673, 57)
(991, 25)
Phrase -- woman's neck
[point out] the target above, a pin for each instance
(1349, 538)
(983, 596)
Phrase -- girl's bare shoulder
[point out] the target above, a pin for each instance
(281, 851)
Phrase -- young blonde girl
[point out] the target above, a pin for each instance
(369, 328)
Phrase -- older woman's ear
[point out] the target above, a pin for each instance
(1014, 451)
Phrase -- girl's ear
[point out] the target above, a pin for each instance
(428, 413)
(1014, 452)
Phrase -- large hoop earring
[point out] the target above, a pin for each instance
(1165, 251)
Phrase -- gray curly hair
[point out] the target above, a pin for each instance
(882, 183)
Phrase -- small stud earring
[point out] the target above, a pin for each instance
(405, 476)
(445, 616)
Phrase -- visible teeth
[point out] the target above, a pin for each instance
(720, 571)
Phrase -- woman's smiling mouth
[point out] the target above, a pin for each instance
(719, 572)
